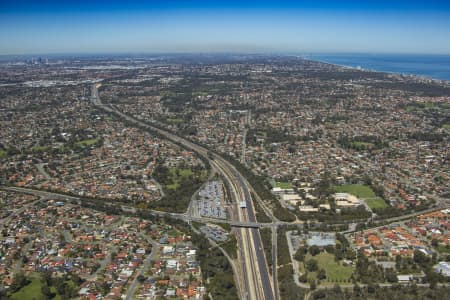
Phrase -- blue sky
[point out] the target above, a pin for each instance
(45, 27)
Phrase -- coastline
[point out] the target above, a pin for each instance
(362, 67)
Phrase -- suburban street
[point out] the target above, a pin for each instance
(133, 285)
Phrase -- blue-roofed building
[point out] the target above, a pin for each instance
(443, 267)
(321, 239)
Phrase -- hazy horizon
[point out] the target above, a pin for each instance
(237, 52)
(117, 27)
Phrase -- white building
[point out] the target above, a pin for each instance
(346, 200)
(443, 267)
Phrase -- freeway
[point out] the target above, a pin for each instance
(258, 283)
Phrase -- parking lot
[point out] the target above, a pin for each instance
(214, 232)
(210, 201)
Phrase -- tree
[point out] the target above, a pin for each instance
(432, 278)
(303, 277)
(19, 282)
(77, 280)
(391, 276)
(312, 284)
(24, 259)
(105, 287)
(420, 258)
(337, 289)
(300, 254)
(371, 288)
(311, 265)
(321, 274)
(356, 289)
(398, 262)
(45, 290)
(329, 249)
(47, 277)
(60, 285)
(314, 250)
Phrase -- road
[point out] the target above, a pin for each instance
(132, 289)
(18, 211)
(275, 260)
(258, 284)
(44, 173)
(185, 217)
(244, 145)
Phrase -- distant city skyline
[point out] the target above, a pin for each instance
(49, 27)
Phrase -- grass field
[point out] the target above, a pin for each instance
(40, 148)
(443, 249)
(283, 185)
(363, 145)
(88, 142)
(3, 153)
(358, 190)
(200, 93)
(169, 94)
(174, 121)
(261, 133)
(30, 291)
(376, 203)
(426, 106)
(177, 175)
(336, 272)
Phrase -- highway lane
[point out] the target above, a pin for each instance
(241, 238)
(255, 271)
(264, 270)
(255, 260)
(249, 268)
(251, 260)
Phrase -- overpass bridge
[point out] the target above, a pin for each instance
(251, 224)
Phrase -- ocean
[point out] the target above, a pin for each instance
(431, 66)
